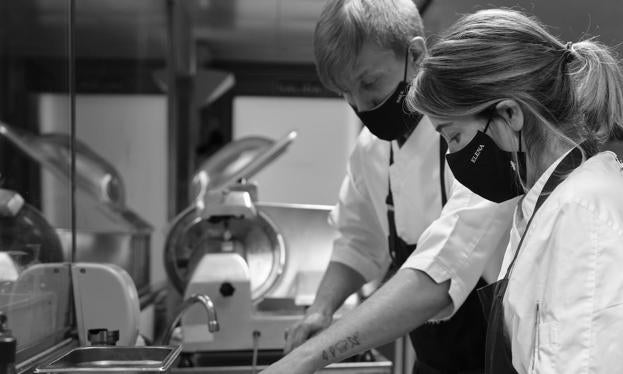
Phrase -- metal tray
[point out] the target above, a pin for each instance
(114, 359)
(239, 362)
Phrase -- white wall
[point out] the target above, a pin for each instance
(130, 132)
(312, 169)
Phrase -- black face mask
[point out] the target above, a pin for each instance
(487, 170)
(390, 120)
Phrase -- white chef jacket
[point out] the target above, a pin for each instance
(563, 307)
(457, 247)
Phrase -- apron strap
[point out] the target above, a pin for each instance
(399, 250)
(443, 147)
(572, 160)
(498, 358)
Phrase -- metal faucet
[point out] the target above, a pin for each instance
(204, 300)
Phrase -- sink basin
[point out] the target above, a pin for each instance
(240, 362)
(114, 359)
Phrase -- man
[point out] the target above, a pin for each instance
(396, 184)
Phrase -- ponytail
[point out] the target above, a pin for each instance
(599, 87)
(568, 92)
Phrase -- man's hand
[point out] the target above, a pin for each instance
(338, 282)
(310, 325)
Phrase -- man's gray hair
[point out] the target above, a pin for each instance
(345, 25)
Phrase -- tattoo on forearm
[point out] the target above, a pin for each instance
(341, 347)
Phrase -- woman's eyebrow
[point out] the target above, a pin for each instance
(372, 70)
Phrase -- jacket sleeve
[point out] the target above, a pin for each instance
(579, 324)
(361, 243)
(470, 235)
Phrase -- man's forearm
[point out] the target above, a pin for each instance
(338, 282)
(405, 302)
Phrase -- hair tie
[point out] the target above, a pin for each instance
(568, 54)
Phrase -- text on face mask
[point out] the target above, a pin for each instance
(477, 153)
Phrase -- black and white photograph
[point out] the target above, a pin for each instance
(311, 186)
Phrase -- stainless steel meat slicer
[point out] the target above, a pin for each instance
(226, 247)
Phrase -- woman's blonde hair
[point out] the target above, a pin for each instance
(568, 91)
(345, 25)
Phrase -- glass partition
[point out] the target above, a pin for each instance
(101, 66)
(122, 139)
(121, 127)
(34, 276)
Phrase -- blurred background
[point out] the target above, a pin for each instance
(110, 108)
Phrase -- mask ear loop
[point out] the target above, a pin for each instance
(488, 123)
(517, 165)
(404, 76)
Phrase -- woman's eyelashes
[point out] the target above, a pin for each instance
(367, 86)
(375, 103)
(369, 83)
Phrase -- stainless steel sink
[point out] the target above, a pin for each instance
(239, 362)
(114, 359)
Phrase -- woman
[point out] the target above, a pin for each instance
(498, 84)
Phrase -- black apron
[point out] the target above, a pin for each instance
(498, 358)
(447, 347)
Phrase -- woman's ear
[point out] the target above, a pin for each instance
(506, 122)
(510, 111)
(417, 50)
